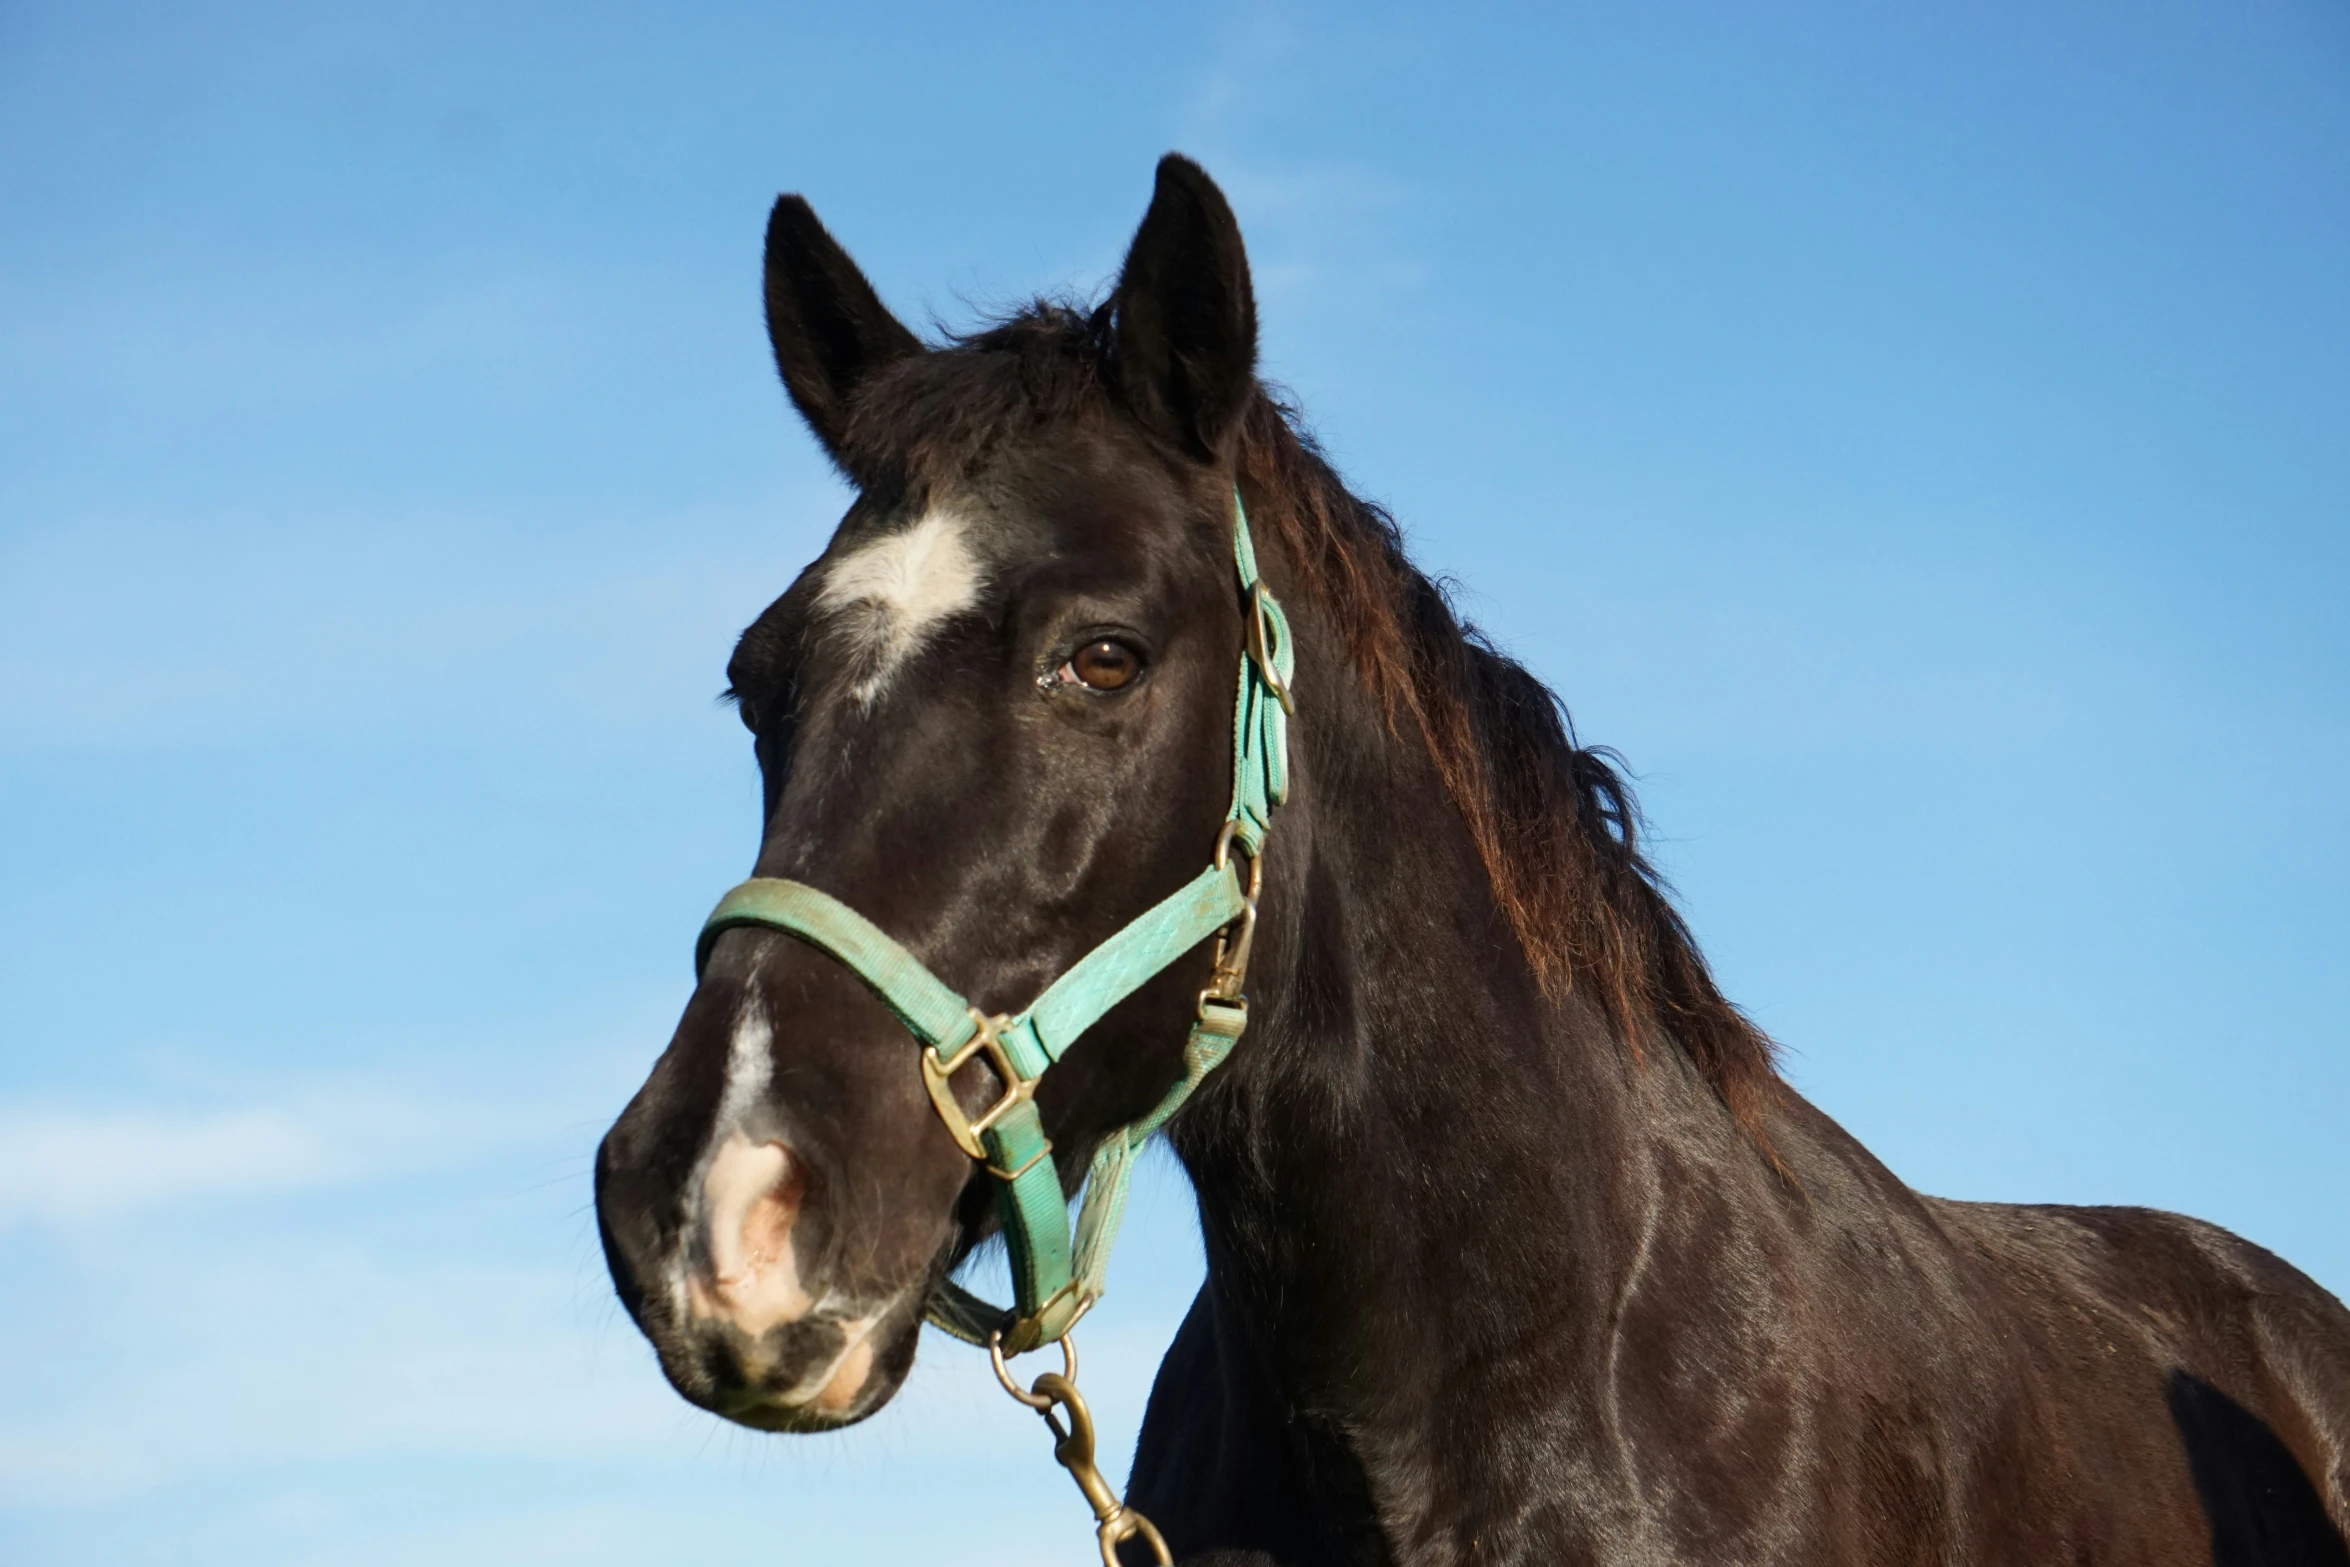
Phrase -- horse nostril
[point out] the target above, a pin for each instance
(751, 1201)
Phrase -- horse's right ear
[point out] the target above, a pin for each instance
(829, 328)
(1183, 343)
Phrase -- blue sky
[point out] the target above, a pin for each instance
(1920, 443)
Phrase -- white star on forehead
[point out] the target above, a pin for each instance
(887, 596)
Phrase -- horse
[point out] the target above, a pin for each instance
(1518, 1247)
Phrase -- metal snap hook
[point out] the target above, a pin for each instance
(1052, 1395)
(1226, 836)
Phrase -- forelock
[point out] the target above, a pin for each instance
(933, 420)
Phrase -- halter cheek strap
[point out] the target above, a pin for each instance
(1056, 1273)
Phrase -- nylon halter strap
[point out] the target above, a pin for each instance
(1057, 1274)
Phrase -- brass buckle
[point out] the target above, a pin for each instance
(1073, 1447)
(937, 1076)
(1260, 649)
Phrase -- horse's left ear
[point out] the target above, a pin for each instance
(1183, 344)
(829, 328)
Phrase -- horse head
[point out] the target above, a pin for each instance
(995, 719)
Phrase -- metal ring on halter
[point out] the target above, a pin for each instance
(1003, 1373)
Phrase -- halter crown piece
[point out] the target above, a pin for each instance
(1056, 1276)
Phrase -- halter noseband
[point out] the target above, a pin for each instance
(1057, 1276)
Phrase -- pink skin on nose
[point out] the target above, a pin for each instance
(840, 1390)
(752, 1197)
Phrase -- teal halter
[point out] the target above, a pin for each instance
(1056, 1277)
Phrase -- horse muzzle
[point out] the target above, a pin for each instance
(778, 1199)
(735, 1281)
(773, 1346)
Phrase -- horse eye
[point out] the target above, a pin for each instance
(1106, 665)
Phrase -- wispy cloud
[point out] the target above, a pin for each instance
(338, 1343)
(74, 1167)
(1317, 221)
(67, 1168)
(394, 616)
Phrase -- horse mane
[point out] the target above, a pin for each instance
(1553, 821)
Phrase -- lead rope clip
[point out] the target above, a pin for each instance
(1055, 1391)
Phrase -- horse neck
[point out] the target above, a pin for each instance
(1418, 1162)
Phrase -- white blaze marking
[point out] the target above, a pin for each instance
(749, 1064)
(889, 594)
(745, 1201)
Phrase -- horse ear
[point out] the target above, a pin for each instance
(829, 328)
(1183, 340)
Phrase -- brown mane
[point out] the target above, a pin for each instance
(1553, 821)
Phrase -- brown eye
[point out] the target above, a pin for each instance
(1106, 665)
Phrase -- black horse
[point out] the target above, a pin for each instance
(1517, 1247)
